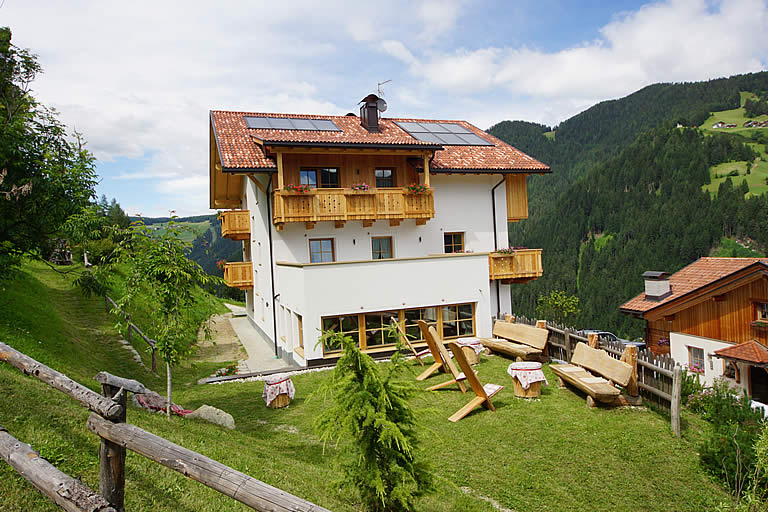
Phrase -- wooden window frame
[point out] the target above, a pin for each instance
(391, 170)
(453, 245)
(391, 247)
(319, 176)
(438, 323)
(333, 248)
(691, 358)
(760, 310)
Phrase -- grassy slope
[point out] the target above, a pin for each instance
(551, 454)
(198, 228)
(735, 116)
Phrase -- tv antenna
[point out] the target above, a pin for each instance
(378, 87)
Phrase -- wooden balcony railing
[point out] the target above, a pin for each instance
(236, 224)
(239, 274)
(340, 205)
(519, 267)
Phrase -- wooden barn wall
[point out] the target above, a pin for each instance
(352, 168)
(727, 319)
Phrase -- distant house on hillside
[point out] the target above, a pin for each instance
(348, 221)
(712, 315)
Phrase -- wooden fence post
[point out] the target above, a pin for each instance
(567, 345)
(106, 303)
(112, 457)
(154, 360)
(677, 388)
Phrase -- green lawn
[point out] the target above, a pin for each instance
(198, 228)
(735, 116)
(756, 180)
(547, 454)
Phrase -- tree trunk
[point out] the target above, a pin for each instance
(168, 390)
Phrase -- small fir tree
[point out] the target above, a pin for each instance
(370, 407)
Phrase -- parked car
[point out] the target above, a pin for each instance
(609, 336)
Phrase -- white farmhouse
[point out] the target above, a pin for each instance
(348, 221)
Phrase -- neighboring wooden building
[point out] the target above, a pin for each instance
(347, 221)
(712, 315)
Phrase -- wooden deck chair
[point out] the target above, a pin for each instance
(458, 378)
(483, 392)
(442, 359)
(416, 354)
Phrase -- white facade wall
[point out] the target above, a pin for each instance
(331, 289)
(462, 204)
(713, 366)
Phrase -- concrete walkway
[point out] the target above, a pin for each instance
(236, 310)
(261, 352)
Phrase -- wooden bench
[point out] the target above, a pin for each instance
(606, 372)
(517, 340)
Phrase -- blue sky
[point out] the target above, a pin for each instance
(138, 78)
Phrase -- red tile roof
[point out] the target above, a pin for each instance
(750, 351)
(239, 150)
(698, 274)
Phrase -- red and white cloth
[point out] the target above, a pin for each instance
(527, 372)
(277, 384)
(473, 343)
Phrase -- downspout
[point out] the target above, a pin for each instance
(272, 261)
(496, 241)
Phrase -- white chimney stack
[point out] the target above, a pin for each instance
(656, 285)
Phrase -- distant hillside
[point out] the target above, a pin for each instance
(624, 174)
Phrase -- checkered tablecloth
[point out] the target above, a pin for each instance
(473, 343)
(277, 384)
(527, 372)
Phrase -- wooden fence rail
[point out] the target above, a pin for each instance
(658, 381)
(133, 327)
(68, 493)
(108, 422)
(92, 400)
(217, 476)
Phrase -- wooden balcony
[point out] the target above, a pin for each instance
(341, 205)
(239, 274)
(236, 224)
(519, 267)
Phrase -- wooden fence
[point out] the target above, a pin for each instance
(131, 328)
(659, 378)
(108, 422)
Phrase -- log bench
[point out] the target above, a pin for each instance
(519, 341)
(596, 373)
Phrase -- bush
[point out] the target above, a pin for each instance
(690, 385)
(728, 453)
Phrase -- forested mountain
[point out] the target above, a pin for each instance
(209, 248)
(625, 195)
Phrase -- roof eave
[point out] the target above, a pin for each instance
(365, 145)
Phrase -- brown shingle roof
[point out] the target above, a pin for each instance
(239, 150)
(698, 274)
(750, 351)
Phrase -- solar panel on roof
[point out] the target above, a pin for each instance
(450, 134)
(290, 123)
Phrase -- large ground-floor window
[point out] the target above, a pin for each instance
(369, 330)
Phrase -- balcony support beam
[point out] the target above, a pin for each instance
(426, 170)
(280, 171)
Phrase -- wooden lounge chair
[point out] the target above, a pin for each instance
(483, 392)
(605, 372)
(517, 340)
(416, 353)
(442, 358)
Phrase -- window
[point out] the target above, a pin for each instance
(321, 250)
(458, 321)
(370, 330)
(696, 358)
(381, 247)
(308, 177)
(412, 316)
(453, 242)
(346, 325)
(761, 309)
(328, 177)
(384, 178)
(377, 332)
